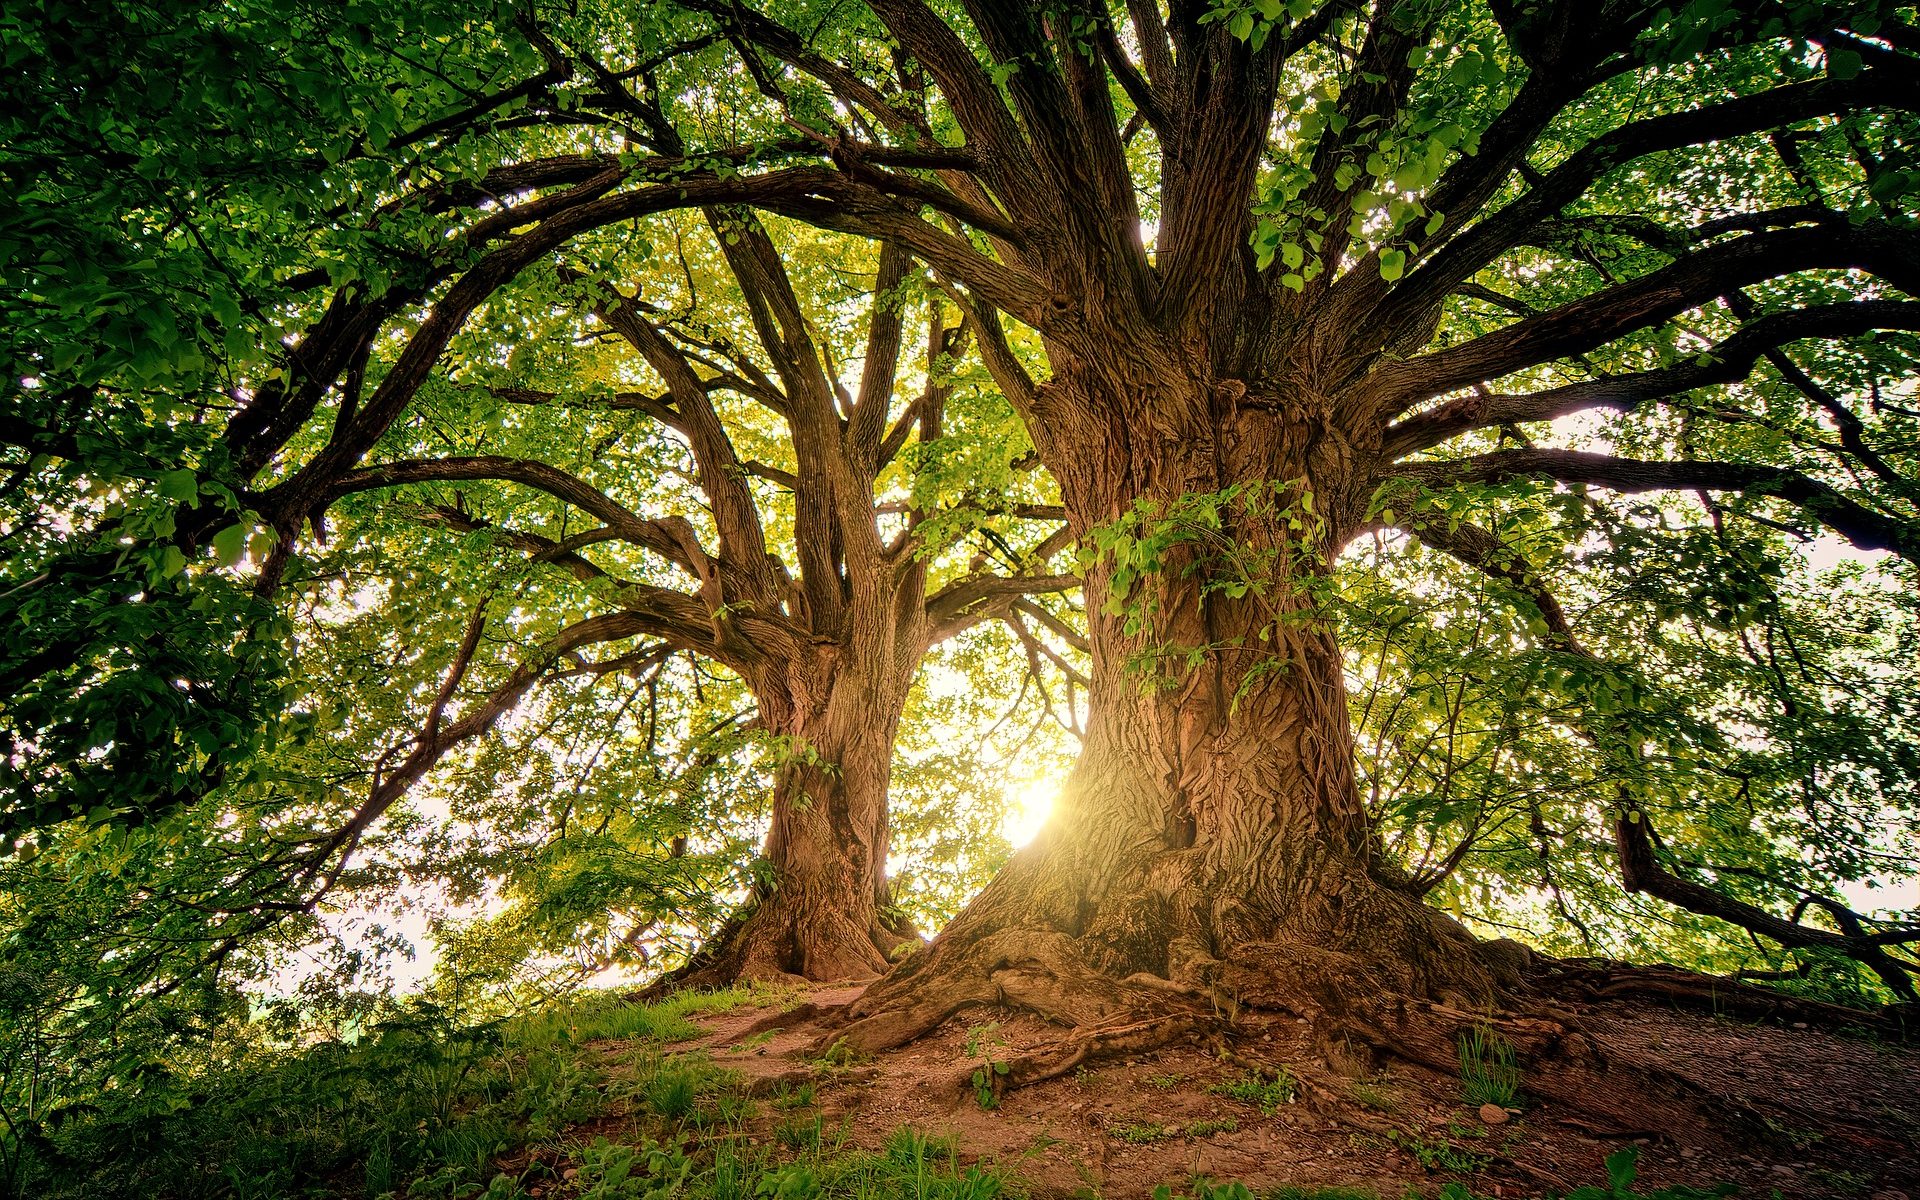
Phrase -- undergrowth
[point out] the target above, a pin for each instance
(1489, 1068)
(587, 1100)
(1255, 1087)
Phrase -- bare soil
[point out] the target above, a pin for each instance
(1824, 1114)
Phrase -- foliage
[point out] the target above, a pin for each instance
(1437, 1153)
(1255, 1088)
(984, 1044)
(421, 1105)
(1489, 1068)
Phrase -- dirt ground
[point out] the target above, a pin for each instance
(1826, 1114)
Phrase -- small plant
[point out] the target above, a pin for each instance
(607, 1171)
(1378, 1099)
(1141, 1133)
(840, 1056)
(984, 1043)
(803, 1096)
(801, 1133)
(672, 1093)
(796, 1181)
(1165, 1082)
(1622, 1169)
(1438, 1154)
(1205, 1189)
(910, 1147)
(1255, 1088)
(1144, 1133)
(752, 1043)
(1489, 1068)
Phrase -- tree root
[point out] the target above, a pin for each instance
(1595, 980)
(1041, 973)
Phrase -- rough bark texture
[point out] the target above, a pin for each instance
(820, 913)
(1211, 848)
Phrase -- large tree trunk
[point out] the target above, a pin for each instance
(1210, 846)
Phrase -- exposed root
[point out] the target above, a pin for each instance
(765, 943)
(1594, 979)
(1140, 1037)
(1041, 973)
(799, 1014)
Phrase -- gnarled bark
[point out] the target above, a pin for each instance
(1211, 849)
(819, 914)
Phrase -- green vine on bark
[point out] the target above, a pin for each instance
(1203, 535)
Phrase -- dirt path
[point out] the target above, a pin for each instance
(1830, 1116)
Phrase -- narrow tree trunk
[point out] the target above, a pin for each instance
(818, 915)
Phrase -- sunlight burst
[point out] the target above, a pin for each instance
(1029, 804)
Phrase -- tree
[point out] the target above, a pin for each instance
(1294, 273)
(1299, 359)
(827, 638)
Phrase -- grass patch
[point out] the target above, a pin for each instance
(1141, 1133)
(1489, 1068)
(1257, 1088)
(1439, 1154)
(420, 1105)
(1145, 1133)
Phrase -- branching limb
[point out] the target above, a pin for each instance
(1481, 243)
(1864, 527)
(1727, 362)
(1640, 867)
(672, 538)
(1593, 321)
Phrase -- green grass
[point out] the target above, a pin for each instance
(1141, 1133)
(1439, 1154)
(1489, 1068)
(1256, 1088)
(1147, 1132)
(419, 1106)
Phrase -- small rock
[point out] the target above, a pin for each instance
(1493, 1114)
(1688, 1152)
(1889, 1194)
(1799, 1024)
(570, 1172)
(1782, 1169)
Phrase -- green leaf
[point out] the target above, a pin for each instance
(182, 486)
(230, 545)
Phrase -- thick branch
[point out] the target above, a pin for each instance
(1481, 243)
(1595, 320)
(673, 538)
(1727, 362)
(1862, 526)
